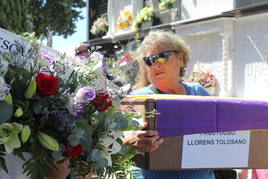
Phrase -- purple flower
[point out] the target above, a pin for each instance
(85, 94)
(77, 108)
(60, 119)
(79, 102)
(104, 68)
(45, 71)
(81, 57)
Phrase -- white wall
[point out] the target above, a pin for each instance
(210, 44)
(251, 56)
(236, 51)
(195, 9)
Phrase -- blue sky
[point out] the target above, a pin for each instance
(79, 36)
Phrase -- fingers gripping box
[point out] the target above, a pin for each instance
(203, 132)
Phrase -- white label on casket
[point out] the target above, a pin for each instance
(216, 150)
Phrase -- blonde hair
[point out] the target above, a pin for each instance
(153, 40)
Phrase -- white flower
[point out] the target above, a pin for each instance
(46, 59)
(111, 146)
(96, 56)
(97, 68)
(9, 136)
(80, 60)
(4, 89)
(107, 156)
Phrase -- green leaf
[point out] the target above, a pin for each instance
(6, 111)
(75, 137)
(3, 162)
(19, 153)
(132, 125)
(72, 174)
(102, 162)
(84, 125)
(57, 155)
(86, 141)
(123, 124)
(37, 109)
(96, 155)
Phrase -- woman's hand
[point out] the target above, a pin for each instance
(143, 140)
(61, 172)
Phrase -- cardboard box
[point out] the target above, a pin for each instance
(210, 149)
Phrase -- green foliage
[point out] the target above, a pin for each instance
(6, 111)
(166, 4)
(122, 163)
(14, 15)
(145, 15)
(39, 166)
(41, 16)
(2, 160)
(59, 16)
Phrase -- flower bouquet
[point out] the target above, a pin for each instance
(145, 15)
(206, 79)
(100, 26)
(123, 67)
(51, 110)
(124, 20)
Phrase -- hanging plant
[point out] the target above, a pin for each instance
(100, 26)
(145, 15)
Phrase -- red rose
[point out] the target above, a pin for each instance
(73, 151)
(102, 101)
(46, 84)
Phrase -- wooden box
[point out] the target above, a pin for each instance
(211, 149)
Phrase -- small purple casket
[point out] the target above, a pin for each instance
(177, 118)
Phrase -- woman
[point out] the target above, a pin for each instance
(163, 57)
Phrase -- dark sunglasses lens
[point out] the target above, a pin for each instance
(165, 55)
(149, 60)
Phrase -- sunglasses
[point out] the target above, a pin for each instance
(79, 52)
(161, 57)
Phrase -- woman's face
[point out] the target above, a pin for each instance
(167, 73)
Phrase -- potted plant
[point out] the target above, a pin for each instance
(166, 4)
(99, 27)
(144, 16)
(204, 78)
(167, 12)
(125, 20)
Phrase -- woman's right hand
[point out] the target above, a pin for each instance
(143, 140)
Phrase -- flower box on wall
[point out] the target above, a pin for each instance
(167, 15)
(146, 25)
(116, 8)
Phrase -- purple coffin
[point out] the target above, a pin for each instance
(190, 116)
